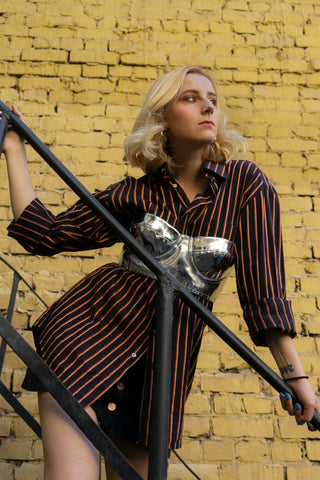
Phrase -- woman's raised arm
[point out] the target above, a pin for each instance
(20, 185)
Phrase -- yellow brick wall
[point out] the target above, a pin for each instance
(78, 71)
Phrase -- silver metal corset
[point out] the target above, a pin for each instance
(199, 263)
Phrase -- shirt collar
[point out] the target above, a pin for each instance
(219, 169)
(163, 171)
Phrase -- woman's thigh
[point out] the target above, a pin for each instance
(68, 454)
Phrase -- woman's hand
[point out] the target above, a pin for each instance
(308, 402)
(12, 140)
(282, 348)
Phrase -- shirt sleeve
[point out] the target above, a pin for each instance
(78, 228)
(260, 265)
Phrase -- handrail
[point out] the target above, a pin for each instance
(216, 325)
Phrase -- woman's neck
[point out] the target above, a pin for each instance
(188, 165)
(188, 173)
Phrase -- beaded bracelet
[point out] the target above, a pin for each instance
(295, 378)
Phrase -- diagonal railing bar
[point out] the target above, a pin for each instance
(14, 289)
(22, 279)
(94, 433)
(20, 409)
(4, 391)
(78, 188)
(218, 327)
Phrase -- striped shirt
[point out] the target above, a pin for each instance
(96, 331)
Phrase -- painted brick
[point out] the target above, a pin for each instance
(191, 451)
(79, 75)
(29, 470)
(240, 427)
(218, 450)
(205, 472)
(6, 471)
(272, 472)
(197, 404)
(15, 449)
(196, 426)
(288, 429)
(304, 470)
(228, 405)
(286, 451)
(230, 383)
(251, 450)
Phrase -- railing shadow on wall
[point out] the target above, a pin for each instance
(168, 286)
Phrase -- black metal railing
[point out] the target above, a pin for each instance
(4, 391)
(168, 286)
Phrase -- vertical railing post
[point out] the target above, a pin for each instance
(159, 428)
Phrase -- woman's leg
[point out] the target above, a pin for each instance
(68, 454)
(137, 456)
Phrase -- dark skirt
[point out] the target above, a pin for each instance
(117, 410)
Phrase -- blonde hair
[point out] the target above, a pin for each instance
(147, 145)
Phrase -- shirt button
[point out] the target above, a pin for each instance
(174, 185)
(133, 355)
(120, 386)
(112, 406)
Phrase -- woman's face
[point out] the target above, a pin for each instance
(193, 118)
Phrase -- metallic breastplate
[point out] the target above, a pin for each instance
(199, 263)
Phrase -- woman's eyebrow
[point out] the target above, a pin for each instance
(197, 91)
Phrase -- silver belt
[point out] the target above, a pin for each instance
(201, 264)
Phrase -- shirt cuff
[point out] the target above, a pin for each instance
(31, 226)
(266, 314)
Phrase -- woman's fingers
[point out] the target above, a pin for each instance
(12, 139)
(17, 112)
(287, 404)
(302, 415)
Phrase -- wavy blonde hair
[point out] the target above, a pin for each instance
(147, 146)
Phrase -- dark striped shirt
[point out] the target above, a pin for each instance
(95, 332)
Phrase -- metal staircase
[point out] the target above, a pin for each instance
(168, 286)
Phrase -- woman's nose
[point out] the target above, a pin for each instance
(208, 105)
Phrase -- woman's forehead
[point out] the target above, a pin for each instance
(197, 81)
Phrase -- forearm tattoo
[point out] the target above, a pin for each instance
(286, 369)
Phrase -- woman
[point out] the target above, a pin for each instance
(98, 336)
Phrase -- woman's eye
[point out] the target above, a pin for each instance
(213, 101)
(190, 99)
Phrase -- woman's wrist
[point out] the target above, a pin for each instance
(290, 370)
(293, 379)
(282, 348)
(15, 150)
